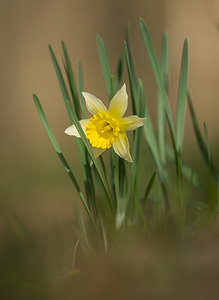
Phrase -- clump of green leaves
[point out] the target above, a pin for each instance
(118, 196)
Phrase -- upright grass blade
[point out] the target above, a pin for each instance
(81, 89)
(160, 82)
(120, 69)
(71, 80)
(148, 189)
(207, 142)
(182, 96)
(151, 140)
(156, 69)
(60, 154)
(148, 128)
(152, 143)
(104, 63)
(132, 77)
(200, 140)
(61, 82)
(131, 68)
(139, 131)
(161, 112)
(137, 140)
(164, 64)
(134, 178)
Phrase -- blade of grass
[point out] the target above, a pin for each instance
(60, 154)
(207, 143)
(151, 139)
(61, 82)
(182, 96)
(71, 80)
(148, 189)
(161, 111)
(160, 82)
(156, 69)
(148, 128)
(136, 146)
(81, 89)
(200, 140)
(132, 77)
(120, 69)
(152, 143)
(104, 63)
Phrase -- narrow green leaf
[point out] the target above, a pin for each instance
(120, 69)
(104, 63)
(148, 127)
(60, 154)
(161, 111)
(150, 138)
(156, 69)
(137, 139)
(207, 141)
(131, 67)
(61, 82)
(81, 89)
(164, 65)
(160, 82)
(182, 96)
(200, 140)
(71, 80)
(80, 77)
(148, 188)
(134, 178)
(132, 77)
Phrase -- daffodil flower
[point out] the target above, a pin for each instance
(107, 128)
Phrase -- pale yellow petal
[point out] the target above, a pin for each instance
(131, 123)
(72, 130)
(94, 105)
(121, 147)
(119, 103)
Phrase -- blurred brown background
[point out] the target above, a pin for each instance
(32, 179)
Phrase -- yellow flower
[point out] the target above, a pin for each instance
(108, 127)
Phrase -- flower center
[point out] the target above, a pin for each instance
(102, 130)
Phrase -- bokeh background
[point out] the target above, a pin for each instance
(33, 183)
